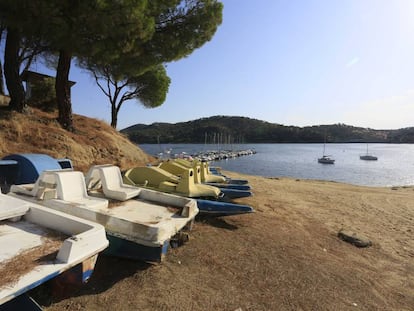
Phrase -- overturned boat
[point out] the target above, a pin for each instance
(140, 223)
(38, 244)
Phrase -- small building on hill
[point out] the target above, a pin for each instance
(33, 79)
(40, 90)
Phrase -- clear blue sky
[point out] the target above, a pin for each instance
(292, 62)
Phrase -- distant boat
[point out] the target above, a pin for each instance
(325, 159)
(368, 157)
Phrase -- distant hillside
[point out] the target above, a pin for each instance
(245, 130)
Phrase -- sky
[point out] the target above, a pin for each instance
(291, 62)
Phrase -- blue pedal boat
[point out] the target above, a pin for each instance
(217, 208)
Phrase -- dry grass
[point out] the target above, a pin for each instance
(93, 142)
(115, 203)
(24, 262)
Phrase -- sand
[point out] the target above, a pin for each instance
(285, 256)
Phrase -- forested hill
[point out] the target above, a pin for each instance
(226, 129)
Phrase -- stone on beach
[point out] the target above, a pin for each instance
(354, 238)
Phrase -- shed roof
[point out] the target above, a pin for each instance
(31, 76)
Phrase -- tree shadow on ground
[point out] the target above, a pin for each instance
(217, 222)
(108, 271)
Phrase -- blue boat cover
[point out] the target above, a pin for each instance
(8, 171)
(31, 165)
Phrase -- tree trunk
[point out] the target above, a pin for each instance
(1, 80)
(11, 71)
(115, 109)
(114, 117)
(1, 67)
(63, 91)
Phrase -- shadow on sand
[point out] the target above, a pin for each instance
(105, 275)
(217, 222)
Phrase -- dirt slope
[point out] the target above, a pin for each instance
(93, 142)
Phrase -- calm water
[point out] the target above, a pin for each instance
(395, 165)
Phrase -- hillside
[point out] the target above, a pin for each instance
(93, 142)
(247, 130)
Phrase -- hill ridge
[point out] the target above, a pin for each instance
(249, 130)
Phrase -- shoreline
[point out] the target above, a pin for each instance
(300, 161)
(285, 256)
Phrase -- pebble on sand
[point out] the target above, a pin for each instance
(354, 238)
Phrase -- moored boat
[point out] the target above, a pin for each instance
(368, 157)
(326, 160)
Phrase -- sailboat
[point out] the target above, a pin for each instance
(325, 159)
(368, 157)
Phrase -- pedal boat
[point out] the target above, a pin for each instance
(208, 204)
(230, 191)
(38, 244)
(139, 223)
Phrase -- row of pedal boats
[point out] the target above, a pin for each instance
(60, 219)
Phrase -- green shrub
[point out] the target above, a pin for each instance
(43, 95)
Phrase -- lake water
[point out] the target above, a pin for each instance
(395, 165)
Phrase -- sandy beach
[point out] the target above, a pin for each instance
(285, 256)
